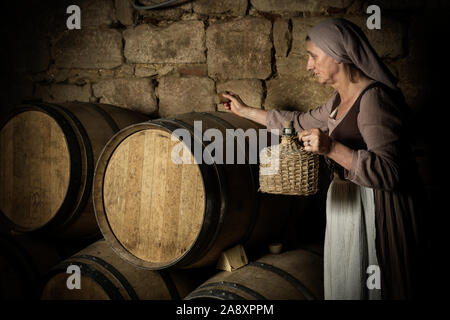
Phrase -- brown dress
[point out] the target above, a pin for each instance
(375, 127)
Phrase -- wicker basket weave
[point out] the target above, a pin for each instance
(288, 169)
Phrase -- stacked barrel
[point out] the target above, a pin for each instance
(47, 162)
(86, 171)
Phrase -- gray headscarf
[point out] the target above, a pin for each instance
(346, 42)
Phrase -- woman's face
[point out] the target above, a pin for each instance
(324, 67)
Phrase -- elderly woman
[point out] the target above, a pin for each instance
(372, 215)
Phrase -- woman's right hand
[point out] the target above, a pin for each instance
(235, 104)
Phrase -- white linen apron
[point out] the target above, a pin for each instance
(349, 242)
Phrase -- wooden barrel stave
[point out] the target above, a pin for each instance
(87, 127)
(19, 160)
(231, 201)
(238, 184)
(293, 275)
(104, 275)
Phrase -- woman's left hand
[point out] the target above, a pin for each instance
(316, 141)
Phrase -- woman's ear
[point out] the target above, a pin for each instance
(336, 61)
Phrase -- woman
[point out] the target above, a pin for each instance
(372, 213)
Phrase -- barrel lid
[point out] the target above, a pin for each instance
(153, 205)
(34, 169)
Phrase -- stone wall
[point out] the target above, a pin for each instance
(175, 60)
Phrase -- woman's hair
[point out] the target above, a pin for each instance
(352, 70)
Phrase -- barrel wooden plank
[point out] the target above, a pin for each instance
(91, 290)
(188, 203)
(292, 275)
(155, 222)
(183, 215)
(47, 158)
(104, 275)
(35, 169)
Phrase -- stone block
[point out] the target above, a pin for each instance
(298, 5)
(292, 66)
(150, 70)
(134, 94)
(229, 7)
(398, 4)
(124, 12)
(96, 13)
(200, 70)
(281, 37)
(145, 70)
(171, 13)
(124, 71)
(185, 94)
(296, 94)
(79, 76)
(239, 49)
(88, 48)
(181, 42)
(63, 92)
(250, 91)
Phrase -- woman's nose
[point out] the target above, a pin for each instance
(309, 64)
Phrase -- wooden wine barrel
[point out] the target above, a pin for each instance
(47, 160)
(23, 261)
(292, 275)
(105, 276)
(157, 214)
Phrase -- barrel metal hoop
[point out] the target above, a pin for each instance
(219, 294)
(256, 195)
(170, 284)
(89, 170)
(228, 125)
(75, 163)
(235, 285)
(211, 236)
(116, 273)
(113, 125)
(285, 275)
(111, 290)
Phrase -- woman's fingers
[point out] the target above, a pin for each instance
(230, 97)
(234, 102)
(304, 135)
(309, 138)
(314, 140)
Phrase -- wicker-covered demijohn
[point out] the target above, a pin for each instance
(287, 168)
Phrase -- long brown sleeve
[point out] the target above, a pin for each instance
(380, 123)
(315, 118)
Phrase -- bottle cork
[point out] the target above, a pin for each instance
(288, 128)
(288, 124)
